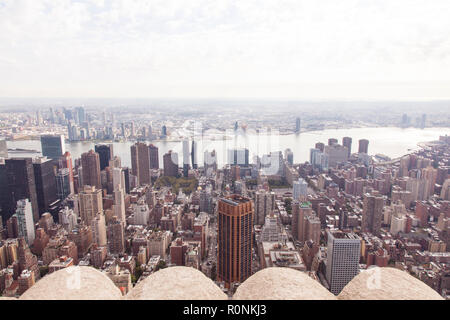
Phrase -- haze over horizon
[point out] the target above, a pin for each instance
(267, 50)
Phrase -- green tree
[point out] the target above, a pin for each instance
(161, 265)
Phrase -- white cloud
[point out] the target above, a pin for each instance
(220, 48)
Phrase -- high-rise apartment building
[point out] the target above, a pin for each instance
(154, 157)
(264, 205)
(90, 204)
(140, 163)
(170, 160)
(347, 142)
(300, 211)
(363, 146)
(372, 213)
(342, 263)
(116, 236)
(53, 146)
(234, 239)
(90, 162)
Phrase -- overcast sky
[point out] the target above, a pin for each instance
(295, 49)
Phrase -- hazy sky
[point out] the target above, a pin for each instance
(327, 49)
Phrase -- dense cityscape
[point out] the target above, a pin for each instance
(344, 211)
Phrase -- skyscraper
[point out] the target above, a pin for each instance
(90, 204)
(66, 162)
(372, 213)
(53, 146)
(297, 125)
(63, 184)
(238, 157)
(17, 183)
(289, 156)
(300, 211)
(343, 255)
(25, 223)
(347, 142)
(105, 153)
(140, 163)
(363, 146)
(154, 158)
(185, 158)
(171, 164)
(90, 162)
(234, 239)
(44, 177)
(194, 155)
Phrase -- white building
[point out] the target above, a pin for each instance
(342, 263)
(25, 222)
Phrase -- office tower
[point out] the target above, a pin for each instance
(98, 225)
(44, 177)
(17, 183)
(264, 205)
(126, 174)
(289, 156)
(363, 146)
(90, 203)
(25, 222)
(170, 160)
(66, 162)
(80, 115)
(185, 158)
(319, 160)
(332, 141)
(105, 153)
(63, 184)
(372, 213)
(234, 239)
(300, 189)
(336, 154)
(210, 162)
(300, 211)
(53, 146)
(90, 162)
(238, 157)
(140, 163)
(164, 131)
(297, 125)
(343, 255)
(429, 174)
(154, 157)
(347, 142)
(116, 236)
(194, 155)
(3, 149)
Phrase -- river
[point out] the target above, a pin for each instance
(390, 141)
